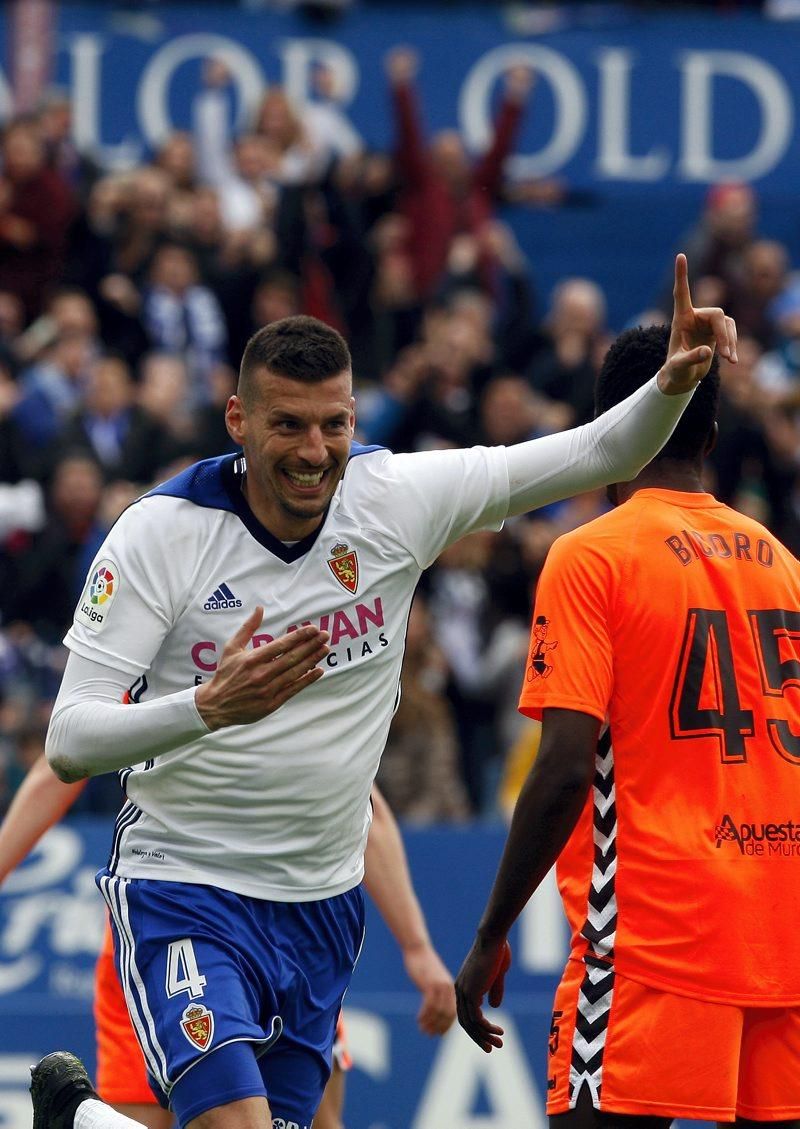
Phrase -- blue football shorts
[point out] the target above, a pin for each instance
(232, 996)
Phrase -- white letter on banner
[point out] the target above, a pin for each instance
(299, 55)
(774, 103)
(152, 100)
(614, 159)
(86, 52)
(474, 111)
(461, 1070)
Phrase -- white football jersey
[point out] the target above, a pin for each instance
(278, 809)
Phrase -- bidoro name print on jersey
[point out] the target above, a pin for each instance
(356, 632)
(689, 545)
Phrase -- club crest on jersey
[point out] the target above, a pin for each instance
(197, 1024)
(343, 563)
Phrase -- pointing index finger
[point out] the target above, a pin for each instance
(681, 295)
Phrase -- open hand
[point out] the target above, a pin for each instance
(251, 682)
(695, 334)
(427, 972)
(483, 971)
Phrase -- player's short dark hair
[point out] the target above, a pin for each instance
(298, 348)
(636, 356)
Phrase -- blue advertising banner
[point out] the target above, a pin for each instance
(51, 923)
(636, 112)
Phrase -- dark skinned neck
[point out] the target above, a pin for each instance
(664, 474)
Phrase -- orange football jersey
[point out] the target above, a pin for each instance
(676, 620)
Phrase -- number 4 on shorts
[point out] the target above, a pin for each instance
(183, 975)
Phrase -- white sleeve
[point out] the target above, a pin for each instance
(434, 497)
(612, 448)
(431, 498)
(93, 731)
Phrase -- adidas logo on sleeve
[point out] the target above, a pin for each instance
(220, 599)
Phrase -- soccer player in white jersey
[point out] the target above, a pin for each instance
(255, 608)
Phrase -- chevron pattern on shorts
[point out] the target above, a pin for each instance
(591, 1025)
(600, 930)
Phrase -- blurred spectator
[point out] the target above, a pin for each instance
(52, 388)
(419, 772)
(143, 222)
(176, 158)
(44, 576)
(442, 192)
(17, 461)
(12, 319)
(244, 173)
(718, 243)
(183, 316)
(36, 209)
(54, 116)
(765, 275)
(778, 371)
(112, 429)
(330, 135)
(186, 432)
(459, 600)
(576, 337)
(749, 473)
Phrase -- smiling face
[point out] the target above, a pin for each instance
(296, 438)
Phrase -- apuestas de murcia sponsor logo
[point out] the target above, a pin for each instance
(762, 839)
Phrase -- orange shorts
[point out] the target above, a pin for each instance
(121, 1075)
(644, 1051)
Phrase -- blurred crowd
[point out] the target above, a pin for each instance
(126, 299)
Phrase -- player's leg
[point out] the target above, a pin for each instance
(329, 1114)
(64, 1098)
(251, 1113)
(331, 1109)
(748, 1123)
(192, 972)
(121, 1074)
(321, 941)
(585, 1116)
(152, 1116)
(769, 1080)
(625, 1056)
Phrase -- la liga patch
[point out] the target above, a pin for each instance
(98, 596)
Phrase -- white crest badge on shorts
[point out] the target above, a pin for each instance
(97, 597)
(197, 1024)
(343, 563)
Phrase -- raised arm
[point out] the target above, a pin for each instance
(615, 447)
(410, 154)
(488, 172)
(39, 802)
(388, 882)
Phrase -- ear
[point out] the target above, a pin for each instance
(236, 420)
(352, 415)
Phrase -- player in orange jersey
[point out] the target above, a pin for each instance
(121, 1077)
(668, 787)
